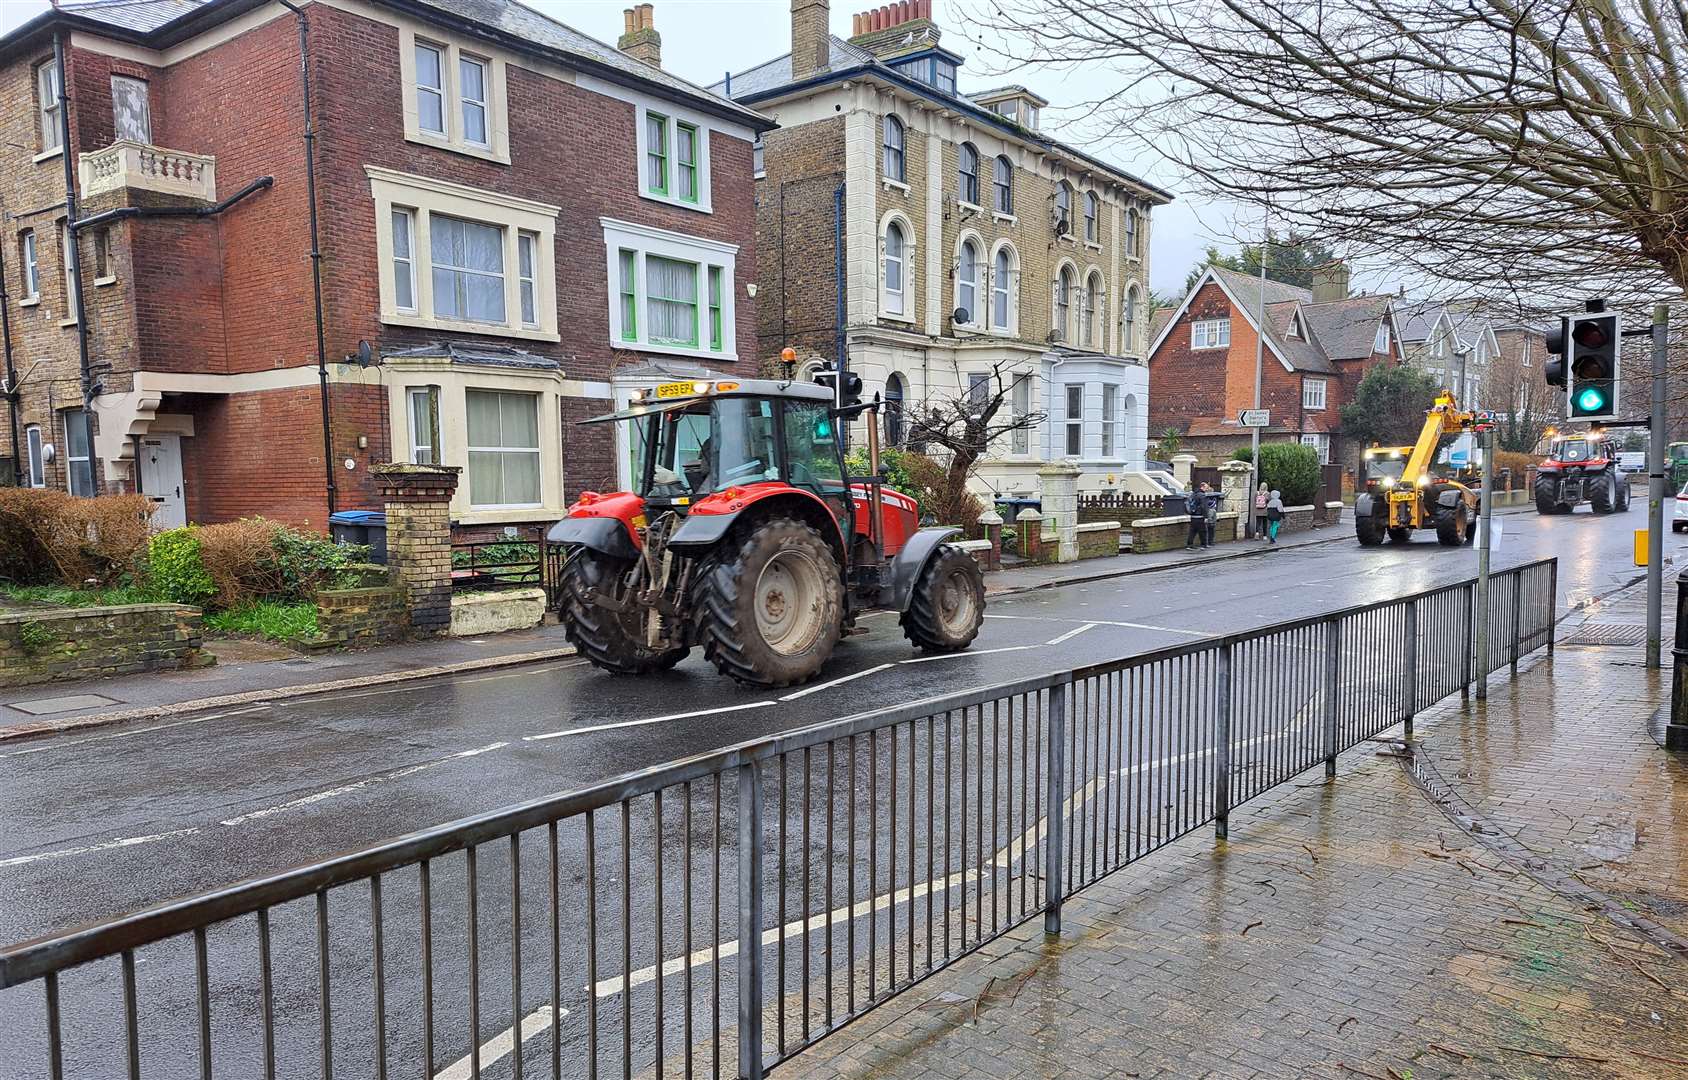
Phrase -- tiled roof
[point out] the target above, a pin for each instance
(1302, 353)
(1346, 329)
(776, 73)
(1246, 288)
(143, 16)
(1417, 318)
(476, 355)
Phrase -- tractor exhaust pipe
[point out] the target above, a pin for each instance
(876, 519)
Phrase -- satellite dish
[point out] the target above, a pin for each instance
(366, 355)
(1062, 227)
(961, 316)
(1056, 336)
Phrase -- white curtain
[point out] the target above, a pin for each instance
(671, 287)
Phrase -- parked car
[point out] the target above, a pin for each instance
(1679, 519)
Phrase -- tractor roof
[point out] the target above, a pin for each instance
(668, 396)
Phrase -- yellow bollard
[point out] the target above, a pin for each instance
(1641, 547)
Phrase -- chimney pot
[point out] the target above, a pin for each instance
(627, 21)
(647, 17)
(641, 41)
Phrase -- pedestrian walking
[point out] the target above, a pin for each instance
(1274, 516)
(1195, 505)
(1260, 499)
(1210, 519)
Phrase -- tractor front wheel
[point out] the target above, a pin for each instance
(612, 640)
(1370, 529)
(1452, 525)
(770, 611)
(948, 605)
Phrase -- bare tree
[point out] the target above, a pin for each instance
(1533, 148)
(968, 426)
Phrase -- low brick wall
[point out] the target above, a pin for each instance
(53, 644)
(1098, 539)
(357, 617)
(1297, 519)
(476, 613)
(1158, 534)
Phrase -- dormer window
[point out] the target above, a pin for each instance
(1014, 103)
(934, 71)
(1294, 332)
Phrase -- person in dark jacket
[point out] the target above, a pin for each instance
(1195, 504)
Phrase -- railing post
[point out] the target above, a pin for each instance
(1517, 615)
(750, 923)
(1222, 747)
(1469, 605)
(1333, 678)
(1410, 674)
(1552, 602)
(1054, 835)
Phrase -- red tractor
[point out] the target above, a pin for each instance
(1581, 466)
(744, 536)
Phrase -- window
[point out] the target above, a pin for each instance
(103, 269)
(894, 393)
(450, 255)
(31, 268)
(47, 85)
(978, 390)
(1294, 331)
(893, 165)
(1003, 186)
(686, 154)
(503, 448)
(1090, 312)
(969, 170)
(424, 411)
(1064, 208)
(1380, 342)
(1064, 302)
(758, 158)
(37, 475)
(1002, 280)
(471, 87)
(1110, 417)
(131, 114)
(67, 250)
(672, 300)
(967, 283)
(468, 268)
(1210, 334)
(1009, 108)
(1075, 419)
(1129, 345)
(527, 258)
(1312, 393)
(656, 153)
(675, 152)
(1020, 407)
(811, 451)
(893, 287)
(430, 88)
(1321, 443)
(404, 259)
(1131, 233)
(79, 464)
(672, 292)
(1091, 206)
(946, 76)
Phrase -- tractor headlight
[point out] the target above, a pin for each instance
(1424, 480)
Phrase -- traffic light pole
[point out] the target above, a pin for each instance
(1656, 487)
(1485, 513)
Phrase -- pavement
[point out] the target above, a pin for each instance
(1507, 897)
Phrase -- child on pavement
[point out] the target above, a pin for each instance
(1260, 499)
(1274, 516)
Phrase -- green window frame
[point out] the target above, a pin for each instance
(656, 153)
(629, 295)
(715, 309)
(686, 155)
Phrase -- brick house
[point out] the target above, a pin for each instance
(970, 239)
(1455, 342)
(1319, 343)
(515, 218)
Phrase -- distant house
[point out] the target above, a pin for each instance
(1318, 345)
(1454, 342)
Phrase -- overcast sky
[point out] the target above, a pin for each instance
(702, 38)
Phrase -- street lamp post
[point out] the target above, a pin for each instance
(1259, 365)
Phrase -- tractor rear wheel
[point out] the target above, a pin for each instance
(612, 640)
(769, 611)
(1602, 494)
(948, 604)
(1452, 525)
(1547, 498)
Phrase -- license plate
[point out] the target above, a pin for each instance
(675, 389)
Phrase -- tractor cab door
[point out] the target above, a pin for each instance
(812, 458)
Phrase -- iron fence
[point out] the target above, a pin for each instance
(507, 562)
(723, 912)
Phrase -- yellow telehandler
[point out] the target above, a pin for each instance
(1422, 486)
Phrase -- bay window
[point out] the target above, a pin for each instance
(1020, 407)
(423, 411)
(503, 448)
(670, 292)
(1110, 417)
(1075, 419)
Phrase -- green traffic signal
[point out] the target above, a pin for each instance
(1591, 399)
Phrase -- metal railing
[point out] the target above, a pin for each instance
(602, 932)
(509, 562)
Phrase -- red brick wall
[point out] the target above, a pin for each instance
(1183, 383)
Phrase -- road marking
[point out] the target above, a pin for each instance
(1109, 622)
(648, 720)
(971, 652)
(500, 1045)
(136, 731)
(346, 789)
(1070, 634)
(127, 841)
(806, 691)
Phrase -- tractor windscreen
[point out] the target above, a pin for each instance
(1385, 470)
(712, 444)
(1572, 450)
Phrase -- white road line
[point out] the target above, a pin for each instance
(817, 688)
(63, 745)
(500, 1045)
(1108, 622)
(346, 789)
(648, 720)
(970, 652)
(1070, 634)
(127, 841)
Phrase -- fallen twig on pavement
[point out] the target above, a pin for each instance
(1552, 1057)
(1463, 865)
(1358, 1072)
(1268, 883)
(1310, 854)
(1525, 922)
(1345, 1023)
(1450, 1051)
(1252, 925)
(1658, 1057)
(1436, 854)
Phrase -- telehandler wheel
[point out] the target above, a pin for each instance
(1399, 534)
(612, 640)
(769, 610)
(1624, 493)
(1370, 529)
(948, 605)
(1452, 525)
(1602, 494)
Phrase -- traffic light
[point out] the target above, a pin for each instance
(850, 393)
(1554, 368)
(1591, 364)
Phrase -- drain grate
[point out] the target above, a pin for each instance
(1608, 634)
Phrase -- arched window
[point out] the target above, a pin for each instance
(1132, 299)
(967, 282)
(1064, 208)
(1064, 303)
(1090, 312)
(1131, 232)
(1003, 185)
(1091, 205)
(969, 173)
(1002, 280)
(893, 149)
(894, 388)
(895, 286)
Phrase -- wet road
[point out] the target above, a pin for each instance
(101, 823)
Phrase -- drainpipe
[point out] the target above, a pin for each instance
(75, 262)
(316, 248)
(18, 452)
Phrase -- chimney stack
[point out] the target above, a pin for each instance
(811, 50)
(1330, 282)
(639, 39)
(899, 27)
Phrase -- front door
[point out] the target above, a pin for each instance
(161, 480)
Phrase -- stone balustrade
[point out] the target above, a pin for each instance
(129, 164)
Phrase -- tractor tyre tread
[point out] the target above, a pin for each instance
(922, 622)
(726, 621)
(1447, 527)
(1370, 530)
(594, 631)
(1604, 493)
